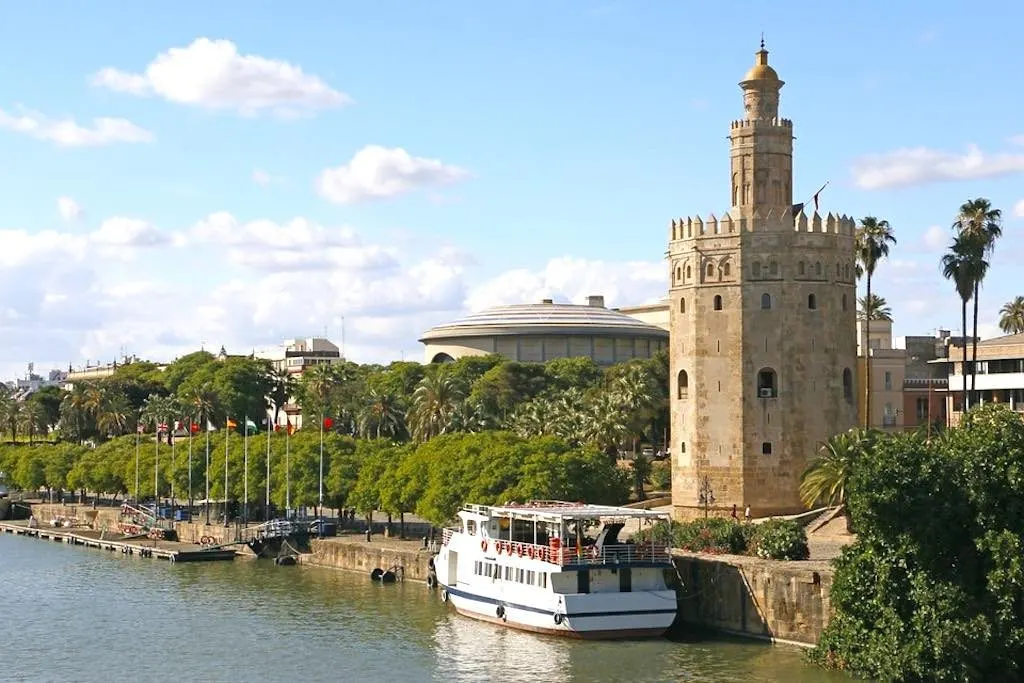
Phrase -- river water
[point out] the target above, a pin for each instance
(76, 614)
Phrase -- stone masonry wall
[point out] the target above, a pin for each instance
(365, 557)
(765, 599)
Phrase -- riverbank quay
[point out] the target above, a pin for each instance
(750, 597)
(103, 539)
(355, 553)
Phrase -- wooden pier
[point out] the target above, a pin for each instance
(141, 547)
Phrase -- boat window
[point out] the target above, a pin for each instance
(543, 579)
(530, 577)
(471, 527)
(519, 575)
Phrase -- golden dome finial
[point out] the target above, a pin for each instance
(761, 71)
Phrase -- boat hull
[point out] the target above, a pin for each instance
(648, 620)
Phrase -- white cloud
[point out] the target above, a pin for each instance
(1018, 209)
(260, 177)
(906, 167)
(67, 133)
(1017, 140)
(213, 74)
(70, 211)
(128, 232)
(573, 279)
(935, 238)
(377, 172)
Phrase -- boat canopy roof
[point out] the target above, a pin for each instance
(557, 510)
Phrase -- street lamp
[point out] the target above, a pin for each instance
(705, 494)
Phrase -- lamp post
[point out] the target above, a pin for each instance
(705, 494)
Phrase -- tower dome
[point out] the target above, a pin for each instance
(761, 71)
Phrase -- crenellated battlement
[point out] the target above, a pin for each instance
(774, 220)
(757, 123)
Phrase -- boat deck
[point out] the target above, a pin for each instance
(171, 551)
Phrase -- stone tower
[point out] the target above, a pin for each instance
(763, 348)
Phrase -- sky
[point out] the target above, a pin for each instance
(237, 174)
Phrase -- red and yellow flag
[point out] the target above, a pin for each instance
(231, 423)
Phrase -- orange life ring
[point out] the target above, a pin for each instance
(483, 545)
(520, 550)
(497, 547)
(529, 552)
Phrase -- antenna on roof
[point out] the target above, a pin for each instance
(762, 40)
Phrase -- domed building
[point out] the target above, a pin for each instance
(545, 331)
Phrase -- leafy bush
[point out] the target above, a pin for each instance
(661, 476)
(714, 535)
(778, 539)
(933, 587)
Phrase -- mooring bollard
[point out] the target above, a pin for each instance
(367, 535)
(424, 542)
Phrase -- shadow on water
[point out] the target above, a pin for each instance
(86, 616)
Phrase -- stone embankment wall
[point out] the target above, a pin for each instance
(105, 516)
(779, 601)
(365, 557)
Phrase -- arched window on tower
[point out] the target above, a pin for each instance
(812, 302)
(817, 269)
(801, 270)
(844, 302)
(682, 384)
(725, 270)
(767, 383)
(679, 274)
(773, 269)
(766, 301)
(756, 269)
(847, 384)
(710, 271)
(688, 273)
(718, 302)
(682, 305)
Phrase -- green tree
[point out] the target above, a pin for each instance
(434, 404)
(241, 385)
(983, 225)
(178, 372)
(825, 479)
(282, 388)
(875, 308)
(579, 372)
(1011, 316)
(960, 265)
(381, 416)
(933, 586)
(48, 399)
(873, 239)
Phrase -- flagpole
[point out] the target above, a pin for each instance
(266, 505)
(227, 450)
(170, 440)
(138, 436)
(245, 470)
(156, 475)
(207, 430)
(320, 499)
(189, 469)
(287, 466)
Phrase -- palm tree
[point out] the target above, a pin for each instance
(74, 412)
(12, 412)
(33, 420)
(978, 219)
(826, 477)
(959, 265)
(1011, 316)
(282, 388)
(319, 384)
(875, 308)
(605, 424)
(113, 414)
(434, 404)
(381, 416)
(874, 237)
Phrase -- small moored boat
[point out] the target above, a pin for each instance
(558, 568)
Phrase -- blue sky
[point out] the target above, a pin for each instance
(519, 150)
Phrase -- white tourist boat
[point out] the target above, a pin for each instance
(558, 568)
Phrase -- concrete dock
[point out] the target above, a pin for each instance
(113, 541)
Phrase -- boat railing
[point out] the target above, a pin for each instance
(624, 553)
(446, 535)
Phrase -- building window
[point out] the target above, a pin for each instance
(718, 302)
(682, 447)
(888, 416)
(801, 269)
(766, 301)
(888, 381)
(756, 268)
(817, 270)
(725, 270)
(922, 408)
(711, 270)
(847, 384)
(766, 448)
(773, 270)
(844, 302)
(812, 302)
(679, 274)
(683, 384)
(682, 305)
(767, 384)
(688, 273)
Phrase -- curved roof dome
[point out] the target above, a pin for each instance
(544, 318)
